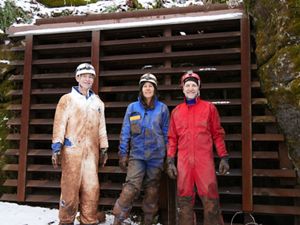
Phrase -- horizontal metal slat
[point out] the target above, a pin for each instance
(62, 46)
(147, 56)
(125, 73)
(268, 137)
(35, 198)
(111, 137)
(180, 70)
(114, 155)
(115, 137)
(255, 101)
(277, 192)
(104, 170)
(265, 155)
(60, 61)
(43, 76)
(56, 184)
(119, 120)
(172, 39)
(59, 91)
(225, 207)
(276, 209)
(289, 173)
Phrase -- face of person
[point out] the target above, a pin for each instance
(85, 81)
(190, 89)
(148, 90)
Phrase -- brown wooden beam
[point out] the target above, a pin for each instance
(25, 114)
(95, 58)
(247, 173)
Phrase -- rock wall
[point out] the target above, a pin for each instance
(277, 31)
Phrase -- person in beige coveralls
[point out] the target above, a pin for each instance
(79, 131)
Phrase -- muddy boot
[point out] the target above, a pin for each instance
(101, 217)
(123, 204)
(117, 221)
(212, 212)
(148, 219)
(185, 210)
(150, 204)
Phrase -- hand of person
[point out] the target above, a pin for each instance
(123, 162)
(171, 168)
(56, 160)
(103, 157)
(224, 165)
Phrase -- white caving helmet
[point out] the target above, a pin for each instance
(85, 68)
(148, 77)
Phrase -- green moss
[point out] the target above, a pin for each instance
(60, 3)
(134, 5)
(9, 13)
(276, 24)
(280, 77)
(5, 86)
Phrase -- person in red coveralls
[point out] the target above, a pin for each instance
(194, 129)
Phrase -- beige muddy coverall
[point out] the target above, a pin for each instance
(79, 124)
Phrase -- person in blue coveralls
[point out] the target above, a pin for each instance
(142, 148)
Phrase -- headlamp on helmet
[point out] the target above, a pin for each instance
(148, 77)
(85, 68)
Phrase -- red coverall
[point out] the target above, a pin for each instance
(193, 131)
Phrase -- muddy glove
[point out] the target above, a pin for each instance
(171, 168)
(56, 159)
(224, 165)
(123, 162)
(103, 157)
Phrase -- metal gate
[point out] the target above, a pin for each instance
(216, 43)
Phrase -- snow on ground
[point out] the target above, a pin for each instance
(37, 10)
(14, 214)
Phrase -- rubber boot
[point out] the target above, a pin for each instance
(212, 212)
(101, 217)
(185, 210)
(150, 204)
(116, 221)
(123, 204)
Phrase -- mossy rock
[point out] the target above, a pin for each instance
(277, 27)
(277, 24)
(280, 79)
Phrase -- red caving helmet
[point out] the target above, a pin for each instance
(190, 74)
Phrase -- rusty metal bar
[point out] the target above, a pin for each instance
(95, 58)
(22, 169)
(247, 173)
(136, 14)
(170, 184)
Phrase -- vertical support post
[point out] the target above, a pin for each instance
(25, 114)
(170, 184)
(247, 173)
(95, 52)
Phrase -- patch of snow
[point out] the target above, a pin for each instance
(38, 11)
(3, 61)
(15, 214)
(170, 21)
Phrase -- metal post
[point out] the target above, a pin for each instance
(247, 172)
(95, 58)
(25, 114)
